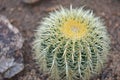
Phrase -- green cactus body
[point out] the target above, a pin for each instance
(71, 44)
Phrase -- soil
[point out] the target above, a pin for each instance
(26, 18)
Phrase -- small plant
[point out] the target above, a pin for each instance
(71, 44)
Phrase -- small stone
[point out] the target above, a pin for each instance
(30, 1)
(53, 8)
(11, 41)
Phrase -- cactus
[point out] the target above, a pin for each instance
(71, 44)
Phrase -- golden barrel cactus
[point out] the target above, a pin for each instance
(71, 44)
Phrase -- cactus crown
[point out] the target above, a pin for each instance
(73, 29)
(71, 44)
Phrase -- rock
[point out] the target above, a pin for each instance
(30, 1)
(1, 78)
(11, 41)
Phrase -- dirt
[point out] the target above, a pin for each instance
(27, 17)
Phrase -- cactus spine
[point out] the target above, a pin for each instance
(71, 44)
